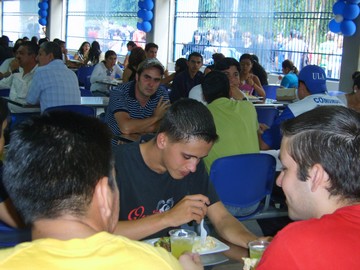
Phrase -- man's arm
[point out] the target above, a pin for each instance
(191, 207)
(128, 125)
(228, 227)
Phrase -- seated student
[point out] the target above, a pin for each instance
(231, 68)
(352, 99)
(236, 121)
(320, 178)
(249, 82)
(60, 175)
(187, 79)
(136, 57)
(164, 184)
(104, 71)
(53, 83)
(19, 82)
(312, 92)
(138, 106)
(290, 80)
(236, 124)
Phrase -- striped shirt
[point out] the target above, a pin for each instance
(122, 99)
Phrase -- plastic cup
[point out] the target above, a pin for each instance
(181, 241)
(257, 248)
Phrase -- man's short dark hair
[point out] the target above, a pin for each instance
(226, 63)
(54, 162)
(52, 47)
(215, 85)
(188, 119)
(131, 43)
(195, 54)
(329, 136)
(32, 47)
(150, 45)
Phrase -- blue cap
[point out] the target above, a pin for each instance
(314, 78)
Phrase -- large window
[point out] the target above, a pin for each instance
(20, 18)
(274, 30)
(111, 22)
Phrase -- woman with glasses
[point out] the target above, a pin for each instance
(104, 73)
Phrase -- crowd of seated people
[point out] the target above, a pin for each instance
(142, 105)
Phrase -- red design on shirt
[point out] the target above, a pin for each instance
(136, 213)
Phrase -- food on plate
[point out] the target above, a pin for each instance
(210, 243)
(249, 264)
(163, 242)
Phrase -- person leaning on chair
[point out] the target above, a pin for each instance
(60, 175)
(138, 106)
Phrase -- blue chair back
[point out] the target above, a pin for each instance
(83, 72)
(86, 110)
(266, 115)
(10, 236)
(17, 118)
(270, 91)
(4, 92)
(240, 183)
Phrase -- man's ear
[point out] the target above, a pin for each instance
(318, 177)
(103, 198)
(161, 140)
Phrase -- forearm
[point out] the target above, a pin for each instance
(259, 90)
(235, 232)
(141, 228)
(228, 227)
(145, 125)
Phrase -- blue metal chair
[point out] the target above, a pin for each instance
(245, 180)
(83, 73)
(17, 118)
(4, 92)
(266, 115)
(270, 91)
(10, 236)
(86, 110)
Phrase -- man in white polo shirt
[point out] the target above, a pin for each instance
(312, 93)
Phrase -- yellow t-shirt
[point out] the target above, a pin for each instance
(100, 251)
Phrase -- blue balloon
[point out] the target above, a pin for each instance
(353, 1)
(43, 5)
(139, 26)
(148, 4)
(146, 26)
(338, 7)
(334, 26)
(348, 27)
(42, 13)
(141, 4)
(351, 11)
(42, 21)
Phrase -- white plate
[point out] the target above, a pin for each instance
(219, 247)
(212, 259)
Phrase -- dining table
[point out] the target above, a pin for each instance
(96, 102)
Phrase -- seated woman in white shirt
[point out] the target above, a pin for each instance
(105, 71)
